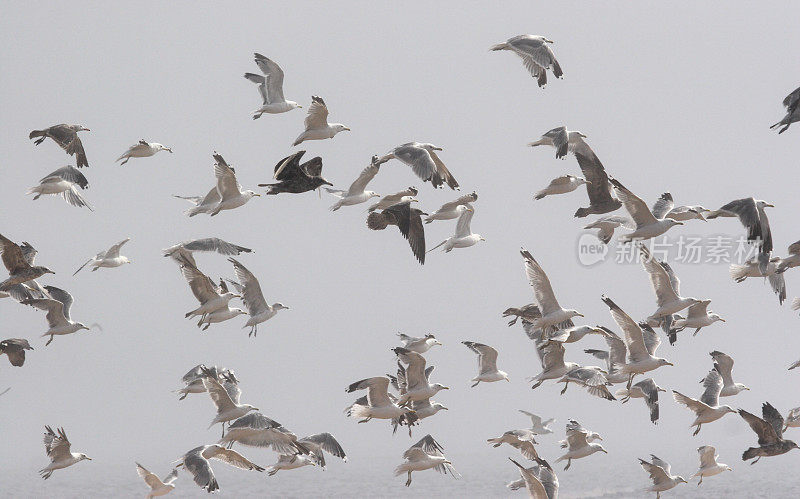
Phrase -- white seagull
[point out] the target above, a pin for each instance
(538, 426)
(270, 86)
(605, 226)
(463, 237)
(723, 364)
(183, 251)
(424, 455)
(560, 185)
(590, 377)
(317, 445)
(536, 55)
(561, 139)
(228, 407)
(578, 445)
(57, 446)
(196, 462)
(258, 308)
(357, 194)
(109, 258)
(317, 127)
(65, 181)
(230, 192)
(378, 403)
(256, 430)
(403, 196)
(57, 303)
(424, 162)
(707, 409)
(664, 207)
(523, 440)
(211, 297)
(666, 287)
(449, 210)
(659, 473)
(418, 386)
(157, 486)
(539, 480)
(708, 463)
(697, 317)
(143, 149)
(793, 260)
(752, 268)
(417, 344)
(487, 363)
(553, 316)
(647, 225)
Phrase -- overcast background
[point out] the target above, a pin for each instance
(674, 97)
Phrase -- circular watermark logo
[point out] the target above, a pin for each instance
(591, 250)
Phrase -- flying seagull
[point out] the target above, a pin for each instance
(527, 312)
(536, 55)
(423, 408)
(194, 379)
(578, 444)
(697, 317)
(614, 357)
(723, 364)
(551, 355)
(183, 251)
(418, 385)
(57, 446)
(295, 178)
(15, 349)
(792, 419)
(708, 463)
(463, 237)
(57, 303)
(408, 220)
(487, 363)
(751, 214)
(666, 287)
(552, 313)
(590, 377)
(542, 474)
(258, 308)
(539, 427)
(522, 440)
(196, 462)
(317, 445)
(19, 263)
(646, 389)
(793, 260)
(357, 194)
(707, 409)
(424, 455)
(560, 185)
(270, 86)
(752, 268)
(157, 486)
(65, 181)
(419, 344)
(424, 161)
(664, 207)
(211, 297)
(143, 149)
(378, 403)
(605, 226)
(449, 211)
(561, 139)
(256, 430)
(770, 434)
(108, 259)
(398, 197)
(792, 105)
(230, 191)
(316, 123)
(647, 225)
(66, 136)
(660, 475)
(228, 408)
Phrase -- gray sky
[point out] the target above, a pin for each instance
(672, 99)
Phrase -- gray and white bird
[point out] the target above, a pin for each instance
(666, 287)
(419, 344)
(109, 258)
(560, 185)
(751, 213)
(539, 480)
(615, 357)
(316, 123)
(528, 312)
(792, 104)
(19, 260)
(708, 463)
(575, 333)
(551, 355)
(723, 364)
(15, 349)
(406, 195)
(561, 139)
(424, 162)
(449, 211)
(605, 226)
(463, 237)
(553, 315)
(66, 136)
(193, 380)
(57, 446)
(646, 389)
(791, 261)
(256, 430)
(752, 268)
(523, 440)
(423, 408)
(197, 462)
(664, 207)
(707, 409)
(487, 363)
(536, 55)
(211, 297)
(770, 434)
(357, 192)
(539, 426)
(697, 317)
(157, 486)
(225, 400)
(578, 445)
(270, 86)
(184, 251)
(57, 303)
(230, 192)
(659, 471)
(66, 181)
(424, 455)
(590, 377)
(317, 445)
(647, 225)
(419, 386)
(792, 419)
(143, 149)
(250, 290)
(378, 403)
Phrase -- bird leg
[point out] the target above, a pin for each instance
(476, 384)
(754, 462)
(365, 420)
(630, 380)
(207, 326)
(253, 331)
(569, 463)
(50, 340)
(626, 399)
(510, 323)
(565, 388)
(408, 482)
(697, 331)
(537, 385)
(223, 428)
(701, 480)
(697, 430)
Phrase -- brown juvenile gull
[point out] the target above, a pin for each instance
(66, 136)
(408, 220)
(770, 434)
(142, 149)
(19, 263)
(15, 349)
(422, 159)
(65, 181)
(295, 178)
(792, 105)
(536, 55)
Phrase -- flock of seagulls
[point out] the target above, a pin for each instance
(405, 398)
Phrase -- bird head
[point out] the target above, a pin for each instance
(250, 407)
(728, 468)
(439, 407)
(665, 362)
(251, 194)
(574, 313)
(84, 456)
(673, 223)
(46, 270)
(600, 448)
(293, 104)
(81, 128)
(681, 479)
(162, 147)
(715, 317)
(431, 147)
(372, 194)
(81, 326)
(279, 306)
(729, 409)
(125, 259)
(546, 40)
(338, 127)
(439, 386)
(742, 386)
(764, 204)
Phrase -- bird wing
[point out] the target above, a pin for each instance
(113, 252)
(68, 139)
(562, 180)
(56, 445)
(617, 350)
(699, 310)
(200, 469)
(70, 174)
(215, 244)
(149, 478)
(289, 167)
(462, 225)
(753, 219)
(722, 363)
(791, 101)
(657, 473)
(576, 437)
(659, 278)
(418, 158)
(462, 200)
(410, 224)
(650, 390)
(693, 404)
(366, 175)
(663, 205)
(13, 257)
(218, 393)
(252, 296)
(707, 456)
(535, 419)
(773, 417)
(598, 187)
(538, 280)
(327, 442)
(317, 114)
(713, 387)
(487, 356)
(377, 390)
(558, 136)
(201, 285)
(637, 208)
(765, 431)
(634, 337)
(415, 372)
(442, 173)
(227, 185)
(651, 339)
(274, 80)
(794, 248)
(233, 458)
(57, 306)
(535, 487)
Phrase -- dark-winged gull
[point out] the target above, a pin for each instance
(523, 440)
(316, 123)
(538, 426)
(723, 364)
(109, 258)
(707, 409)
(65, 181)
(183, 251)
(57, 446)
(770, 434)
(646, 389)
(751, 214)
(752, 268)
(228, 407)
(487, 363)
(66, 136)
(463, 237)
(357, 194)
(664, 207)
(424, 455)
(257, 307)
(419, 344)
(157, 486)
(659, 471)
(449, 211)
(57, 303)
(15, 349)
(408, 220)
(536, 55)
(418, 385)
(647, 225)
(270, 86)
(560, 139)
(560, 185)
(196, 462)
(708, 463)
(256, 430)
(19, 263)
(542, 474)
(142, 149)
(317, 445)
(295, 178)
(792, 104)
(553, 316)
(397, 197)
(424, 162)
(578, 444)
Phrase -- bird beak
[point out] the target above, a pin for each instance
(548, 41)
(723, 320)
(168, 149)
(770, 205)
(328, 183)
(257, 194)
(89, 458)
(580, 315)
(439, 149)
(445, 388)
(670, 364)
(482, 239)
(86, 130)
(729, 468)
(679, 223)
(345, 128)
(445, 408)
(605, 451)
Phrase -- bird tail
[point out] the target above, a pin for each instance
(582, 212)
(750, 453)
(738, 272)
(540, 142)
(376, 221)
(336, 192)
(499, 46)
(539, 195)
(441, 243)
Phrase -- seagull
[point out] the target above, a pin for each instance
(211, 297)
(605, 226)
(449, 211)
(289, 462)
(418, 386)
(614, 357)
(356, 193)
(707, 409)
(157, 486)
(792, 419)
(65, 181)
(316, 123)
(752, 268)
(143, 149)
(202, 204)
(572, 424)
(228, 407)
(57, 447)
(528, 312)
(256, 430)
(270, 86)
(536, 55)
(561, 139)
(396, 198)
(579, 445)
(641, 342)
(792, 111)
(791, 261)
(194, 379)
(109, 258)
(424, 455)
(419, 345)
(21, 292)
(659, 473)
(751, 214)
(296, 178)
(315, 456)
(666, 287)
(647, 225)
(378, 403)
(15, 349)
(250, 290)
(57, 303)
(590, 377)
(561, 185)
(463, 237)
(539, 480)
(553, 365)
(708, 463)
(208, 244)
(424, 161)
(487, 363)
(19, 263)
(408, 220)
(196, 462)
(723, 364)
(770, 434)
(552, 313)
(423, 408)
(576, 333)
(539, 427)
(522, 440)
(646, 389)
(664, 207)
(230, 192)
(66, 136)
(697, 317)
